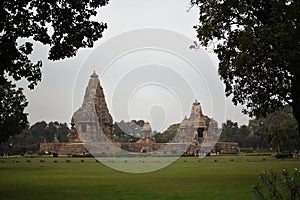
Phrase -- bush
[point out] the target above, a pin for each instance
(29, 152)
(247, 150)
(260, 154)
(277, 186)
(283, 155)
(41, 153)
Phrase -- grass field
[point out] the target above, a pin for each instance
(222, 177)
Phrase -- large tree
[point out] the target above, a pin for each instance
(65, 26)
(258, 45)
(12, 117)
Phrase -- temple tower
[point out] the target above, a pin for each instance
(196, 126)
(94, 110)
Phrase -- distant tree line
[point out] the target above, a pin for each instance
(167, 135)
(131, 132)
(277, 131)
(128, 131)
(29, 140)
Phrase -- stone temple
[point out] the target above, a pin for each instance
(197, 125)
(92, 122)
(94, 109)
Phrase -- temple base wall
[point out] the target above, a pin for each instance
(64, 148)
(79, 148)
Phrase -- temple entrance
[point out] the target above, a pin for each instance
(200, 132)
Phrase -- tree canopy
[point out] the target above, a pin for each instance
(29, 140)
(12, 117)
(128, 131)
(258, 45)
(65, 26)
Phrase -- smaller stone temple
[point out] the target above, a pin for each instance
(146, 136)
(197, 125)
(202, 133)
(147, 130)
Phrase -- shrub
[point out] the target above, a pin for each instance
(41, 153)
(247, 150)
(278, 186)
(29, 152)
(282, 155)
(260, 154)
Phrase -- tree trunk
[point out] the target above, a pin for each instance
(296, 98)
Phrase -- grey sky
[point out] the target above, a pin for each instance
(63, 83)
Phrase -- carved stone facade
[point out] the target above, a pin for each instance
(195, 128)
(94, 110)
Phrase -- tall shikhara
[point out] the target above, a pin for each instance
(94, 110)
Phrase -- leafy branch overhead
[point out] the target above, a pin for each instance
(65, 26)
(258, 45)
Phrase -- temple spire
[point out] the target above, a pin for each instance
(94, 75)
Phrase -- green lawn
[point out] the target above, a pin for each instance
(222, 177)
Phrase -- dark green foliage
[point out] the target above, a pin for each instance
(283, 155)
(65, 26)
(247, 150)
(231, 132)
(278, 130)
(276, 186)
(29, 140)
(257, 43)
(12, 117)
(168, 135)
(128, 131)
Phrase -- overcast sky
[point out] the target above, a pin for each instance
(145, 67)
